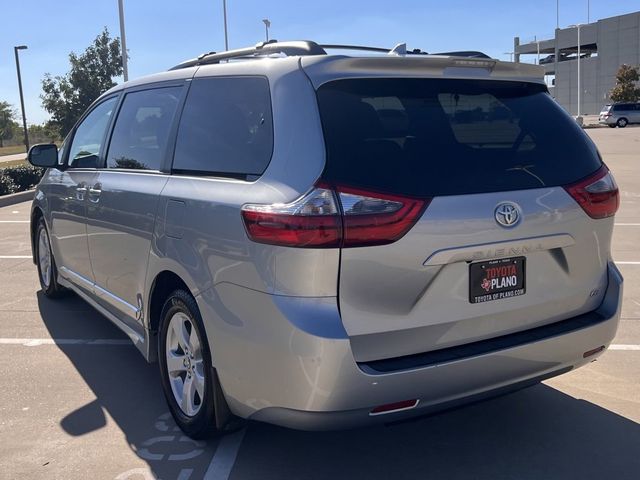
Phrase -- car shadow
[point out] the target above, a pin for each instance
(536, 433)
(126, 388)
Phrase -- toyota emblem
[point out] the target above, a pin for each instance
(507, 214)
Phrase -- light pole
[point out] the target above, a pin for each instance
(123, 41)
(579, 86)
(24, 117)
(224, 14)
(267, 24)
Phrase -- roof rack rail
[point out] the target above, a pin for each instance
(415, 51)
(303, 47)
(464, 53)
(306, 47)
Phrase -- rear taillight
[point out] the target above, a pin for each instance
(375, 218)
(311, 221)
(329, 217)
(597, 194)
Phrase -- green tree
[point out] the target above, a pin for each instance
(7, 122)
(626, 89)
(92, 73)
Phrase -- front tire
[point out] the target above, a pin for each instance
(47, 271)
(622, 122)
(189, 381)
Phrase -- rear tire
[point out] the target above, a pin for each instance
(47, 270)
(622, 122)
(189, 381)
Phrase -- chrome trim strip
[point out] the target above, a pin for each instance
(114, 300)
(77, 276)
(510, 248)
(137, 338)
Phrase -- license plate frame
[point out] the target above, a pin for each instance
(497, 279)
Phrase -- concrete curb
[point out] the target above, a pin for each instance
(14, 198)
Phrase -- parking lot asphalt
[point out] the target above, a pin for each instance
(78, 401)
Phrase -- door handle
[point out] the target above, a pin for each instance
(81, 190)
(94, 193)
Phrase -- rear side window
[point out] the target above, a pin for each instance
(226, 127)
(141, 132)
(428, 137)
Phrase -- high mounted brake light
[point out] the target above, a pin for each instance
(330, 217)
(597, 194)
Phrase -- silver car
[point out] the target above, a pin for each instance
(321, 241)
(620, 114)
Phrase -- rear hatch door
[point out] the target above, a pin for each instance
(501, 246)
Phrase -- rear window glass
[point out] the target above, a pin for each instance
(427, 137)
(226, 127)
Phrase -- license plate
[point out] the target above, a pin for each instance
(496, 279)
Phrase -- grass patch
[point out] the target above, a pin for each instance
(12, 150)
(13, 163)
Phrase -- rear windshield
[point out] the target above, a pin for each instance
(428, 137)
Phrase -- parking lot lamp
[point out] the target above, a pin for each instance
(24, 117)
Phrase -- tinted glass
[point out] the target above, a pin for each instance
(141, 132)
(85, 147)
(427, 137)
(226, 127)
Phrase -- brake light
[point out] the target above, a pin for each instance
(375, 218)
(597, 194)
(329, 217)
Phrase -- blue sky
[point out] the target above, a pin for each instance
(161, 33)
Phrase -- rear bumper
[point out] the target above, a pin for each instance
(607, 121)
(289, 362)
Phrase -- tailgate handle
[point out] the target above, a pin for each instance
(510, 248)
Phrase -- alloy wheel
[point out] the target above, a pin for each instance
(185, 364)
(44, 257)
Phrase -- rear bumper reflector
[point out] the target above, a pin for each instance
(589, 353)
(394, 407)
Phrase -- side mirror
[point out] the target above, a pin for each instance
(43, 155)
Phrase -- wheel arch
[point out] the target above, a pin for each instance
(164, 282)
(36, 214)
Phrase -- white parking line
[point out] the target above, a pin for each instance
(624, 347)
(627, 224)
(15, 256)
(627, 263)
(38, 342)
(15, 221)
(225, 457)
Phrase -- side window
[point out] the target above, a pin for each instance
(84, 151)
(141, 132)
(226, 127)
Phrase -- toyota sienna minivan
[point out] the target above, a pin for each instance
(322, 241)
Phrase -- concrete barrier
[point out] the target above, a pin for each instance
(12, 199)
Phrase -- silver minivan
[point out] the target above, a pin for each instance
(323, 241)
(620, 114)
